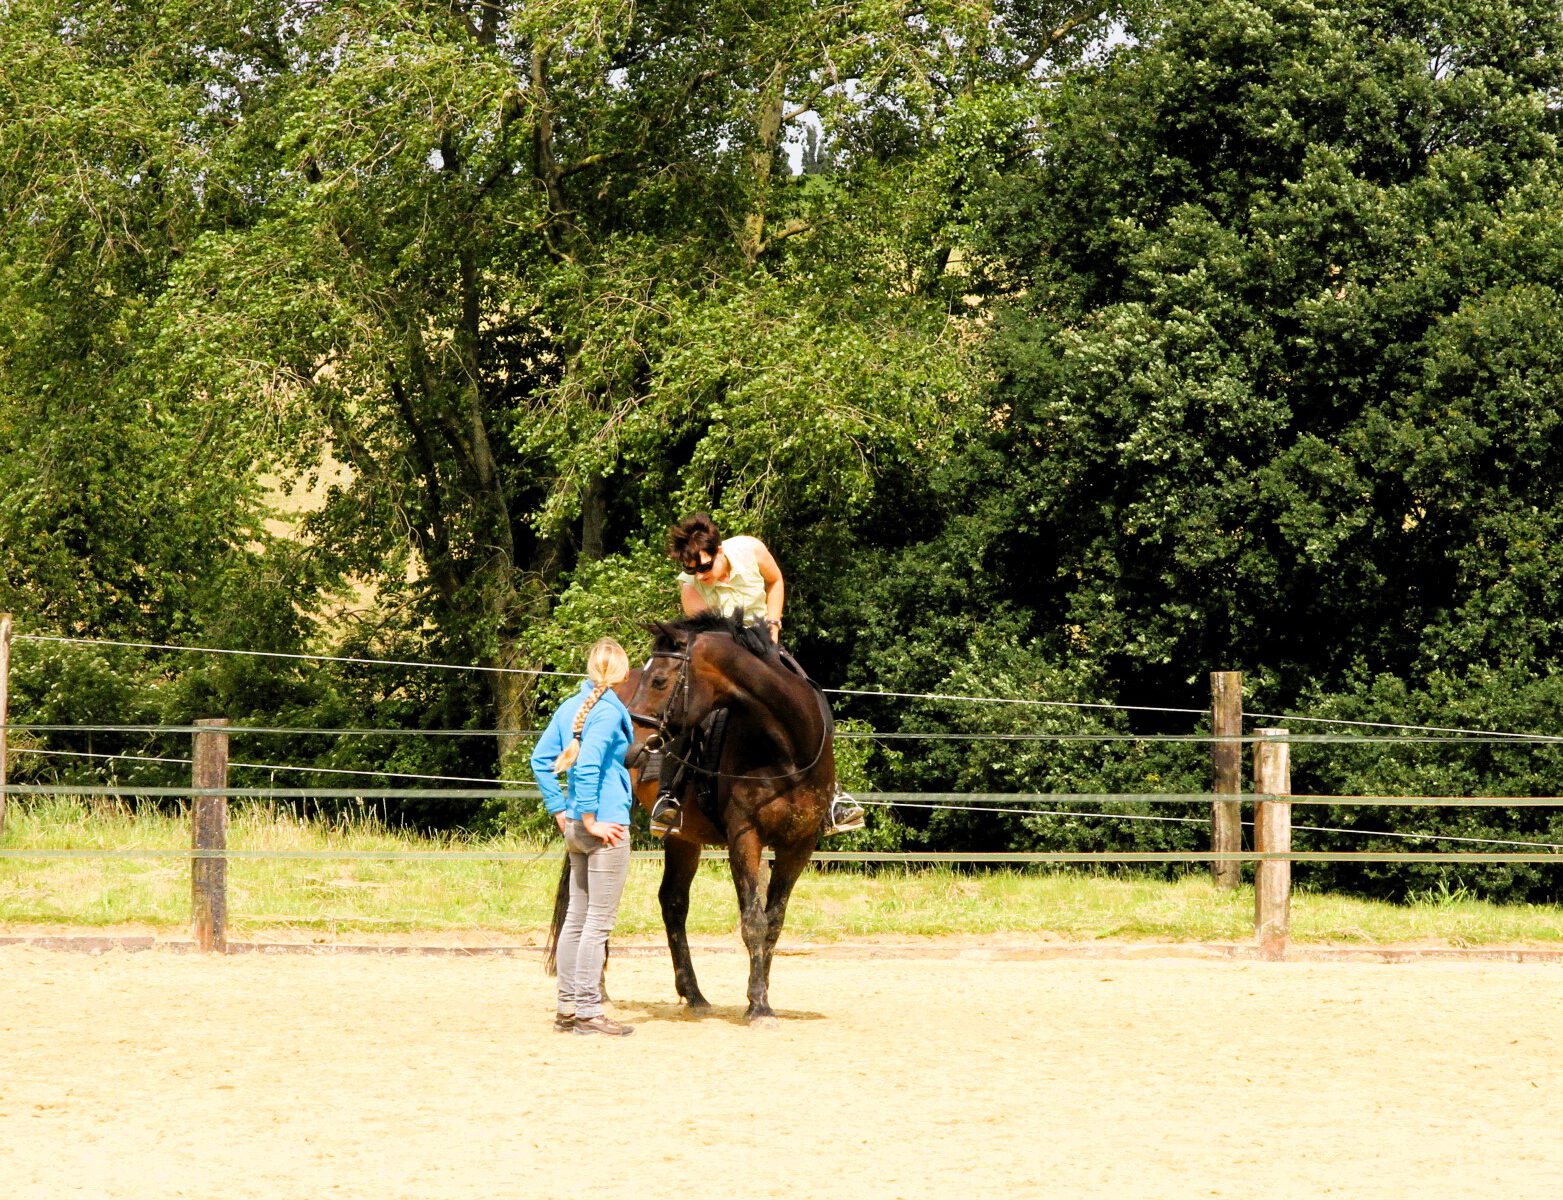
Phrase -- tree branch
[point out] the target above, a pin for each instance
(488, 25)
(438, 535)
(544, 165)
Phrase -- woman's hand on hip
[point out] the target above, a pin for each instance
(609, 832)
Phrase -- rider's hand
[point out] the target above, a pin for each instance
(610, 832)
(561, 820)
(773, 625)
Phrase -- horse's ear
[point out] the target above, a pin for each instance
(662, 632)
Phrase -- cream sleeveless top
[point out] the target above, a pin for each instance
(744, 586)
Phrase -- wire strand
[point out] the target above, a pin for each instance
(1302, 739)
(931, 856)
(368, 662)
(260, 766)
(1489, 733)
(1011, 700)
(280, 730)
(1054, 812)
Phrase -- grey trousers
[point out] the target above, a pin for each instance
(597, 875)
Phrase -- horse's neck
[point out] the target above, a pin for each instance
(766, 689)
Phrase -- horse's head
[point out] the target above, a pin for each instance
(662, 679)
(688, 673)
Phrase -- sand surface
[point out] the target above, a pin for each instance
(153, 1075)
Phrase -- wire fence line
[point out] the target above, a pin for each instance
(391, 662)
(249, 766)
(1012, 800)
(841, 856)
(279, 730)
(859, 692)
(1209, 797)
(326, 658)
(894, 798)
(498, 790)
(991, 803)
(1327, 739)
(1417, 835)
(1482, 733)
(1006, 810)
(1273, 847)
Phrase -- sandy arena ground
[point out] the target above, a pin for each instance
(155, 1075)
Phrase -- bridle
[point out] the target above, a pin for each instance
(659, 721)
(662, 736)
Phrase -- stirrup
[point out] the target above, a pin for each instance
(665, 815)
(846, 815)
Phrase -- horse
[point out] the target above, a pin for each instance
(774, 781)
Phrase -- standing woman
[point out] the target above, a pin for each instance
(595, 822)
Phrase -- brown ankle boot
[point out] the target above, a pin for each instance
(602, 1023)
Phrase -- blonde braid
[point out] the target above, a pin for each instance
(571, 752)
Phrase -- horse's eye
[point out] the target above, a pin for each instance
(659, 681)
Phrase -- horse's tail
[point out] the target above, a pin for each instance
(561, 905)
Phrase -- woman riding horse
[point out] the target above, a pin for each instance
(730, 577)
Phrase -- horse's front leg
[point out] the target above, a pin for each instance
(680, 860)
(743, 850)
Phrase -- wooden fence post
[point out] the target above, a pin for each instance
(5, 696)
(1226, 816)
(209, 831)
(1273, 835)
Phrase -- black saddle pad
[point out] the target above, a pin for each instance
(711, 736)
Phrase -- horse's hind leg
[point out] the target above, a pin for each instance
(744, 853)
(680, 859)
(785, 872)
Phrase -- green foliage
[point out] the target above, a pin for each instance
(611, 597)
(1275, 387)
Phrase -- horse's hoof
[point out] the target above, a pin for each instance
(699, 1007)
(763, 1020)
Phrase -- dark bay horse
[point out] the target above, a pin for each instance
(773, 782)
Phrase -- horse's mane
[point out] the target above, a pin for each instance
(752, 637)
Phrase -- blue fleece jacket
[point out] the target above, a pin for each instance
(598, 780)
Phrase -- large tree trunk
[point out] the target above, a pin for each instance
(514, 708)
(517, 600)
(594, 519)
(762, 161)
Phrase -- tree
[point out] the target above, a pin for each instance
(1276, 373)
(507, 260)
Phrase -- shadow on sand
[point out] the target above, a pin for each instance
(661, 1010)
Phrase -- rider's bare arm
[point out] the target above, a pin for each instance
(775, 590)
(690, 597)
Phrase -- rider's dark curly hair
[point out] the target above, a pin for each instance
(694, 536)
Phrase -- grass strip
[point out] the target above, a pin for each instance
(515, 898)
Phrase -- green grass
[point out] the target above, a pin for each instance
(515, 898)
